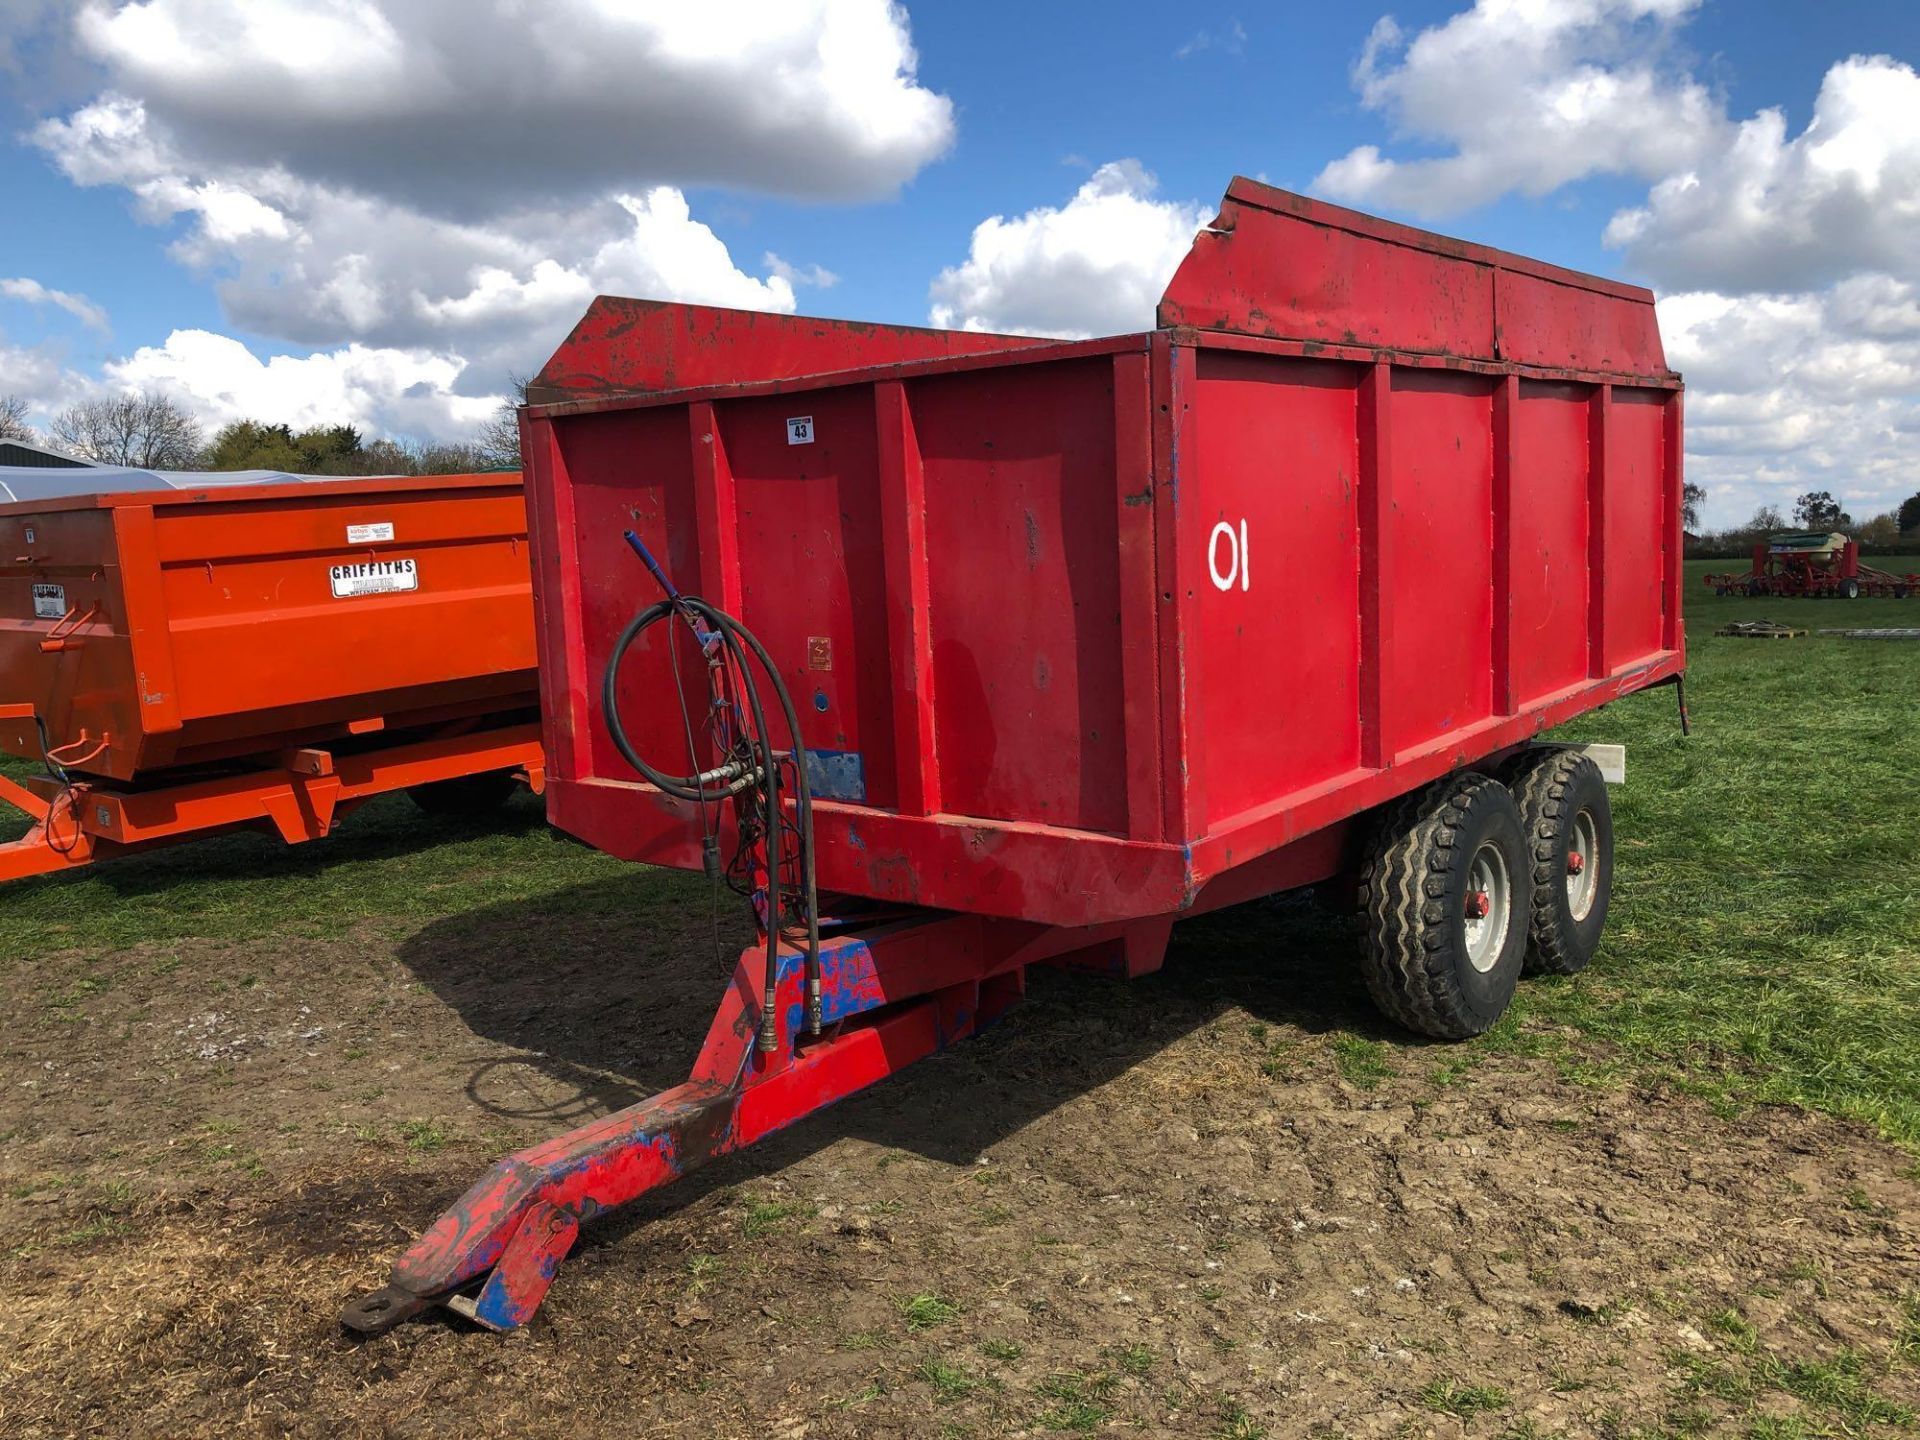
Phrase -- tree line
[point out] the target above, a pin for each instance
(1814, 510)
(151, 431)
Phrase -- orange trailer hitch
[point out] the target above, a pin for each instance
(47, 845)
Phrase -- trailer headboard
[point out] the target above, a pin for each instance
(1287, 267)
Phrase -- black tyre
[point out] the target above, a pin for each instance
(1569, 828)
(1754, 591)
(1849, 589)
(467, 796)
(1443, 891)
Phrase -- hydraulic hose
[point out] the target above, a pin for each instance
(803, 795)
(718, 630)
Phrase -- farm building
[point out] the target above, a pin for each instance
(26, 454)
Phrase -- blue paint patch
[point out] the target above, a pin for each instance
(820, 701)
(497, 1309)
(849, 985)
(837, 775)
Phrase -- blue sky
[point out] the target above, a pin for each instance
(193, 221)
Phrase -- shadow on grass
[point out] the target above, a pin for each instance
(611, 986)
(388, 865)
(387, 828)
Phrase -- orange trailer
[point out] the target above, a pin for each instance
(187, 654)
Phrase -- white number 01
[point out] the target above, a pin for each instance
(1238, 566)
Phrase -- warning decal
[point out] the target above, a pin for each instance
(49, 602)
(374, 577)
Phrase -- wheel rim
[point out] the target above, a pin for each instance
(1583, 866)
(1489, 910)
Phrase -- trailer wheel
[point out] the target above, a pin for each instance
(1568, 822)
(1444, 892)
(1849, 589)
(466, 796)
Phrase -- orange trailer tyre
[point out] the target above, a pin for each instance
(1569, 827)
(1444, 891)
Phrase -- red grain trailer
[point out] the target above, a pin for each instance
(988, 652)
(187, 654)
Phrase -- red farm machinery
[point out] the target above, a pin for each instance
(1813, 564)
(956, 654)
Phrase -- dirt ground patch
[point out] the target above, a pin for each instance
(1196, 1205)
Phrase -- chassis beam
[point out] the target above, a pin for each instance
(300, 799)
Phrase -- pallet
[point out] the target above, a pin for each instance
(1907, 633)
(1759, 630)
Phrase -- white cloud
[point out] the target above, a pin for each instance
(1230, 41)
(1095, 265)
(1796, 317)
(32, 292)
(477, 106)
(459, 177)
(215, 378)
(1788, 393)
(314, 265)
(1788, 264)
(1765, 212)
(379, 390)
(663, 252)
(817, 276)
(39, 375)
(1525, 96)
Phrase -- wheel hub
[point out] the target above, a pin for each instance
(1583, 880)
(1489, 907)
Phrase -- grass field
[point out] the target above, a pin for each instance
(1764, 943)
(1765, 937)
(237, 1077)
